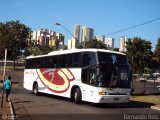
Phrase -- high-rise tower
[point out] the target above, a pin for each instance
(122, 47)
(87, 33)
(77, 32)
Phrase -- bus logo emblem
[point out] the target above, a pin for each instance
(56, 80)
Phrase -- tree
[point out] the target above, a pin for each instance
(139, 53)
(45, 49)
(156, 57)
(13, 36)
(34, 49)
(93, 44)
(157, 50)
(116, 49)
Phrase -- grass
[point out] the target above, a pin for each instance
(12, 68)
(155, 99)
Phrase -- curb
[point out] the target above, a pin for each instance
(155, 108)
(151, 107)
(13, 115)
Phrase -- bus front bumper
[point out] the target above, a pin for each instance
(111, 99)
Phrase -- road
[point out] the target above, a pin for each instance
(43, 107)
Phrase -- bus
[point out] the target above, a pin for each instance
(92, 75)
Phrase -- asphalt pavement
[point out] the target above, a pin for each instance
(27, 106)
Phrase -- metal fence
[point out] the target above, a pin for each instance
(145, 86)
(11, 63)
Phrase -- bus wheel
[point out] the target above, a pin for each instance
(77, 96)
(35, 88)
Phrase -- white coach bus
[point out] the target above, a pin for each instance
(92, 75)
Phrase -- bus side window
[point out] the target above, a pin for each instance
(38, 63)
(92, 75)
(89, 76)
(62, 61)
(76, 60)
(89, 58)
(54, 62)
(29, 63)
(44, 61)
(72, 60)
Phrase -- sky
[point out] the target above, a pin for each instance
(104, 16)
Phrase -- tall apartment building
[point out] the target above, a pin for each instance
(122, 47)
(47, 37)
(109, 41)
(72, 43)
(87, 33)
(77, 32)
(100, 38)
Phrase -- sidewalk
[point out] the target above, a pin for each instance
(13, 110)
(6, 111)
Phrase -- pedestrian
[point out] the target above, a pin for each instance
(7, 86)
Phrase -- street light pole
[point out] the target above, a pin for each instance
(67, 31)
(4, 72)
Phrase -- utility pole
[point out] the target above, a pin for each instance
(4, 70)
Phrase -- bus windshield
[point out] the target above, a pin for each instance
(113, 70)
(111, 58)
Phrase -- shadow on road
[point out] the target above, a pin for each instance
(23, 102)
(130, 104)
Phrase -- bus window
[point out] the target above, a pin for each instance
(109, 58)
(89, 76)
(38, 64)
(53, 62)
(92, 76)
(61, 61)
(76, 60)
(73, 60)
(88, 59)
(30, 63)
(45, 62)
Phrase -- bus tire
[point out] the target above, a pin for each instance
(35, 89)
(77, 96)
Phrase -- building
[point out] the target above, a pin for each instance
(69, 44)
(77, 33)
(100, 38)
(72, 43)
(122, 47)
(60, 38)
(47, 37)
(87, 33)
(109, 41)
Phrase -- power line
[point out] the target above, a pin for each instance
(133, 26)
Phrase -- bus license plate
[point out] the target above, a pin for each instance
(116, 99)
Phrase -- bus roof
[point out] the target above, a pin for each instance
(74, 51)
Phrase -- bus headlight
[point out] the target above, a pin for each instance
(103, 93)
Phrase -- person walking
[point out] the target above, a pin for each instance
(7, 86)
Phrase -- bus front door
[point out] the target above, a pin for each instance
(89, 82)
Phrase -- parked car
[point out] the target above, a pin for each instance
(142, 79)
(151, 77)
(156, 74)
